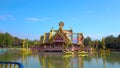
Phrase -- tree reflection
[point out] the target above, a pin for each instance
(9, 56)
(58, 60)
(54, 60)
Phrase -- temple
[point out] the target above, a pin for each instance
(58, 40)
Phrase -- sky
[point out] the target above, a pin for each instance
(32, 18)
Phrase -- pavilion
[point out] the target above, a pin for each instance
(58, 40)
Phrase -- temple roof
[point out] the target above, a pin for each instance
(61, 34)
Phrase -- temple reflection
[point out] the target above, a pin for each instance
(58, 60)
(51, 60)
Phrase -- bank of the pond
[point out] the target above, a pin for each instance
(116, 50)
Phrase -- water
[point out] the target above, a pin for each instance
(58, 60)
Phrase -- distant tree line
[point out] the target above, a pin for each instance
(106, 42)
(7, 40)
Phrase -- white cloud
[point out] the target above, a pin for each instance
(6, 17)
(36, 19)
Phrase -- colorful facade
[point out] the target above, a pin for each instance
(61, 39)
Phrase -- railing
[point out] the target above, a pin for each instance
(11, 65)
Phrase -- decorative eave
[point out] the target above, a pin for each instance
(62, 34)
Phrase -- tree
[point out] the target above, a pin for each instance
(95, 44)
(110, 41)
(118, 42)
(87, 41)
(17, 42)
(103, 43)
(6, 40)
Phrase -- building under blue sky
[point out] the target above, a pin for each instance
(32, 18)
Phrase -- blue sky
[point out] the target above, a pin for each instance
(32, 18)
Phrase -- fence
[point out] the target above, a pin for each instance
(11, 65)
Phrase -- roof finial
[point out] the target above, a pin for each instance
(52, 29)
(61, 24)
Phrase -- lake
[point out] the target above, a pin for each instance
(58, 60)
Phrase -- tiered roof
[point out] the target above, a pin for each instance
(60, 33)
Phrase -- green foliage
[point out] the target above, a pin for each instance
(87, 41)
(6, 40)
(33, 43)
(107, 42)
(112, 42)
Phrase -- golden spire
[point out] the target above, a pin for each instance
(44, 38)
(61, 24)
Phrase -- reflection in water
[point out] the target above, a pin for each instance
(53, 60)
(58, 60)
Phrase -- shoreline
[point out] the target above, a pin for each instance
(111, 50)
(115, 50)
